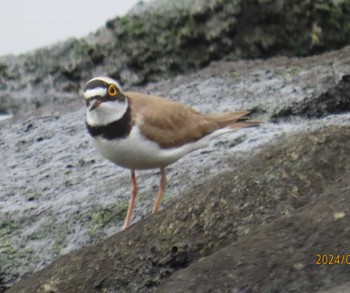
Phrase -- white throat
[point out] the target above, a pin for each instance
(106, 113)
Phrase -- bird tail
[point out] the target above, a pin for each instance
(244, 124)
(233, 120)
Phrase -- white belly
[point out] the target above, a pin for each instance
(135, 152)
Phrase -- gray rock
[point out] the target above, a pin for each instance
(334, 101)
(58, 195)
(258, 228)
(164, 38)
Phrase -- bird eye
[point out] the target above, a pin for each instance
(112, 90)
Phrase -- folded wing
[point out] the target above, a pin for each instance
(172, 124)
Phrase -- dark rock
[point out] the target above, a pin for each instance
(274, 214)
(334, 101)
(345, 288)
(2, 284)
(285, 252)
(202, 31)
(8, 105)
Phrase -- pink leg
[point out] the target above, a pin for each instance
(132, 200)
(162, 188)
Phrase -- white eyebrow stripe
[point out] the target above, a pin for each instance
(99, 91)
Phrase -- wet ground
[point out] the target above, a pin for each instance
(261, 228)
(58, 194)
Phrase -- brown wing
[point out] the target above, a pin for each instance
(168, 123)
(173, 124)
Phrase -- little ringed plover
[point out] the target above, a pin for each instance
(138, 131)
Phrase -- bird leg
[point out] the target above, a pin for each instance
(132, 199)
(162, 188)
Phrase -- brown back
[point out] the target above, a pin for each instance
(172, 124)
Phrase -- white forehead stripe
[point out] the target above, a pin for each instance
(107, 80)
(99, 91)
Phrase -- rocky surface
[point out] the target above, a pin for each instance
(280, 187)
(256, 229)
(287, 251)
(164, 38)
(58, 194)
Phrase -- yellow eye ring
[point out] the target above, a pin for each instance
(112, 90)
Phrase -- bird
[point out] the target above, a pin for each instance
(138, 131)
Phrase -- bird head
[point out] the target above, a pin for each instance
(101, 90)
(105, 101)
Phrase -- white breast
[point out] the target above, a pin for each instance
(136, 152)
